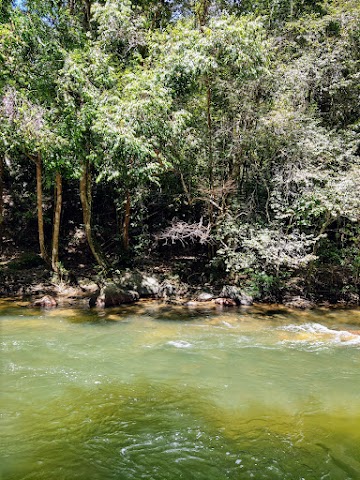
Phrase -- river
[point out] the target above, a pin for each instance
(158, 392)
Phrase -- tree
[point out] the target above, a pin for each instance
(25, 130)
(206, 69)
(134, 127)
(76, 98)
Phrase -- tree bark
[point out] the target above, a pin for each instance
(210, 134)
(57, 217)
(126, 221)
(87, 14)
(86, 201)
(291, 8)
(211, 250)
(71, 5)
(1, 193)
(203, 7)
(40, 216)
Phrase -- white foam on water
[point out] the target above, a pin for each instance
(180, 344)
(227, 324)
(318, 334)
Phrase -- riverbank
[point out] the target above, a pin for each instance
(25, 276)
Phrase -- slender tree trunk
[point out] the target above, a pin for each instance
(1, 193)
(57, 216)
(311, 266)
(126, 221)
(211, 251)
(1, 200)
(185, 188)
(210, 134)
(86, 200)
(203, 10)
(39, 195)
(203, 7)
(71, 5)
(87, 14)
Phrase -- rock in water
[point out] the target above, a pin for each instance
(235, 293)
(298, 302)
(146, 285)
(47, 301)
(112, 296)
(227, 302)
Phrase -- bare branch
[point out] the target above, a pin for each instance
(185, 232)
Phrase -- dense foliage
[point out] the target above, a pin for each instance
(228, 130)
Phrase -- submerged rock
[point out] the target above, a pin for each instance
(191, 303)
(47, 301)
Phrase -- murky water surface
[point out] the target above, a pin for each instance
(151, 392)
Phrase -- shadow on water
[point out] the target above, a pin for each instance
(181, 314)
(156, 431)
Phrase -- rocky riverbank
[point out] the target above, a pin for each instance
(126, 287)
(29, 278)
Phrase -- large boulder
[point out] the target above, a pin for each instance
(172, 289)
(236, 294)
(145, 285)
(112, 295)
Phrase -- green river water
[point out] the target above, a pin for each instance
(153, 392)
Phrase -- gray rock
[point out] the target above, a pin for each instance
(205, 297)
(246, 300)
(145, 285)
(298, 302)
(111, 296)
(173, 288)
(168, 290)
(235, 293)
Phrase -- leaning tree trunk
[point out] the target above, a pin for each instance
(126, 221)
(57, 216)
(39, 196)
(86, 200)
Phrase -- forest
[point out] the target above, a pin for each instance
(215, 139)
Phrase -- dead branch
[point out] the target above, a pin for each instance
(183, 232)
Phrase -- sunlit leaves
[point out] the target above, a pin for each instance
(119, 26)
(228, 46)
(133, 125)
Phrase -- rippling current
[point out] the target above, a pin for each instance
(156, 392)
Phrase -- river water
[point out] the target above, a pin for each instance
(156, 392)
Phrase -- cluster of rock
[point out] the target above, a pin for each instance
(131, 286)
